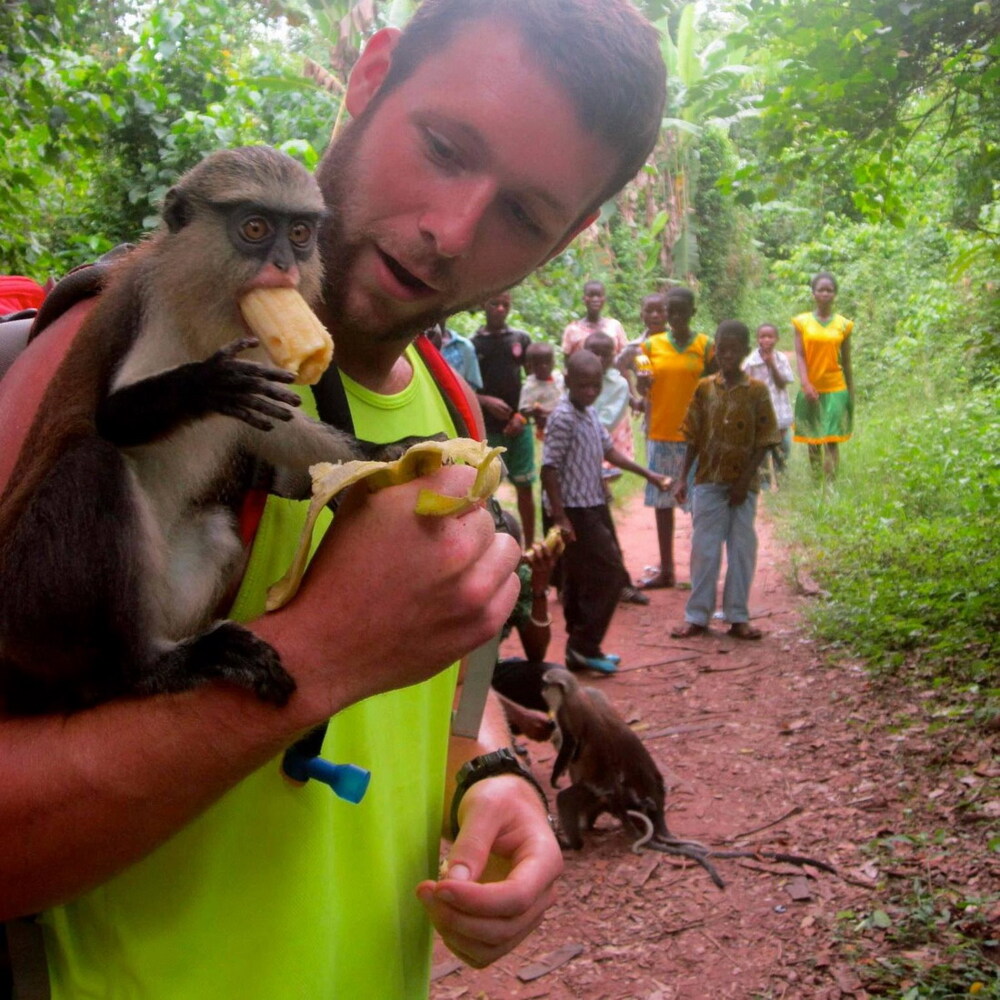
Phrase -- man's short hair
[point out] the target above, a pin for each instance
(603, 53)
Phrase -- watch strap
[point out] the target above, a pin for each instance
(489, 765)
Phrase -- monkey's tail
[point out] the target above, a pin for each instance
(794, 859)
(671, 845)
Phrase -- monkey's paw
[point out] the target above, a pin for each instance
(234, 654)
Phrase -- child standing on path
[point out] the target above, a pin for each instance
(728, 428)
(824, 407)
(575, 444)
(679, 358)
(502, 352)
(592, 322)
(613, 403)
(770, 366)
(543, 387)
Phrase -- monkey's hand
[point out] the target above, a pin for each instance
(500, 872)
(246, 390)
(153, 407)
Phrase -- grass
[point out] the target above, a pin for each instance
(905, 548)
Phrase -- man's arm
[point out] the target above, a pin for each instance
(502, 866)
(87, 794)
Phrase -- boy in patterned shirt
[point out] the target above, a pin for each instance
(594, 571)
(728, 428)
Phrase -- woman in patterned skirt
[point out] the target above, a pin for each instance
(824, 407)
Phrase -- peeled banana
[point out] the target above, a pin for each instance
(289, 331)
(420, 460)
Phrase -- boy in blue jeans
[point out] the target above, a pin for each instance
(728, 428)
(594, 572)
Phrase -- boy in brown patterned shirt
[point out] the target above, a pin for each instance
(728, 428)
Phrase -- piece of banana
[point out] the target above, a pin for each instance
(553, 541)
(289, 331)
(420, 460)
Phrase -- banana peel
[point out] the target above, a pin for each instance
(420, 460)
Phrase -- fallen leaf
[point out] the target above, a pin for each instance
(549, 963)
(799, 889)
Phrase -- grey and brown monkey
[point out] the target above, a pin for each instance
(117, 542)
(612, 772)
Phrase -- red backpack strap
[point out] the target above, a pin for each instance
(452, 391)
(24, 386)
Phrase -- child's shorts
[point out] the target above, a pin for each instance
(519, 458)
(666, 458)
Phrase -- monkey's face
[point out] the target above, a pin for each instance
(464, 178)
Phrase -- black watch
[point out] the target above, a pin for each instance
(488, 765)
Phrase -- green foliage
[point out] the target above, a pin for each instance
(110, 108)
(851, 85)
(933, 937)
(725, 251)
(912, 567)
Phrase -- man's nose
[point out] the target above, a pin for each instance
(454, 219)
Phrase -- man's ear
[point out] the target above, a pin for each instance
(572, 235)
(370, 70)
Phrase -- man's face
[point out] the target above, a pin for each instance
(464, 178)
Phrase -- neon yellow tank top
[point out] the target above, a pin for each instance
(281, 892)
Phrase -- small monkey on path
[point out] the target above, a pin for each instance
(613, 772)
(116, 541)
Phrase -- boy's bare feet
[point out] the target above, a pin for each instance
(688, 630)
(744, 630)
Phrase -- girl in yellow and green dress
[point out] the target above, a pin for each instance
(824, 407)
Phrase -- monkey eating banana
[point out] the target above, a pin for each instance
(117, 530)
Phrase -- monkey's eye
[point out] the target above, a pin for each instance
(255, 229)
(300, 233)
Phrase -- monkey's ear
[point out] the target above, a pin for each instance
(176, 210)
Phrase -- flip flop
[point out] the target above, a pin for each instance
(688, 630)
(657, 582)
(744, 630)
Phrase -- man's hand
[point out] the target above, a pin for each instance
(500, 872)
(662, 483)
(391, 596)
(681, 490)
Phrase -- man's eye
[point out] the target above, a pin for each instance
(522, 218)
(439, 150)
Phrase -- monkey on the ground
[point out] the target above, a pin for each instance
(612, 772)
(118, 538)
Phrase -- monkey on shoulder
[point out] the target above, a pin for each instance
(118, 538)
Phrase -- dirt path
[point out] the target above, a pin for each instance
(761, 746)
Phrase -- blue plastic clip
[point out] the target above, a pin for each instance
(348, 781)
